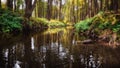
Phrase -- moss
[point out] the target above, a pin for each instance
(56, 24)
(42, 21)
(47, 23)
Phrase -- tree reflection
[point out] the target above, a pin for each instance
(57, 50)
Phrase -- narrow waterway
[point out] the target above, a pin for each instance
(55, 48)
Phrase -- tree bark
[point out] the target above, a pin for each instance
(60, 7)
(40, 9)
(101, 5)
(10, 4)
(0, 4)
(49, 9)
(15, 7)
(28, 12)
(29, 8)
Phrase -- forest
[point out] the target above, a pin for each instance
(89, 17)
(87, 22)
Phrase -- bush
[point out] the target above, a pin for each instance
(83, 25)
(99, 22)
(10, 21)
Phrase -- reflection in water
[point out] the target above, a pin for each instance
(91, 61)
(6, 54)
(32, 43)
(17, 64)
(56, 50)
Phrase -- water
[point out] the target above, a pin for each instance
(55, 48)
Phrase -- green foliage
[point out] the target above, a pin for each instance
(116, 27)
(45, 22)
(56, 23)
(83, 25)
(10, 21)
(100, 22)
(42, 21)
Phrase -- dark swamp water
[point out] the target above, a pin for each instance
(55, 48)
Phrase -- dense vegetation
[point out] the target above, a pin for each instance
(10, 21)
(99, 22)
(99, 17)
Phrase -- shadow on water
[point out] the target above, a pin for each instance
(55, 48)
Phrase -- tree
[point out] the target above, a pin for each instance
(0, 4)
(29, 8)
(114, 5)
(40, 8)
(59, 8)
(49, 9)
(28, 12)
(10, 4)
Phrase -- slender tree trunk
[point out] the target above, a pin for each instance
(107, 5)
(0, 4)
(96, 6)
(77, 13)
(10, 4)
(101, 5)
(40, 9)
(15, 6)
(89, 8)
(114, 5)
(60, 10)
(36, 8)
(49, 9)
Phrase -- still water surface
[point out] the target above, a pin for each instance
(56, 48)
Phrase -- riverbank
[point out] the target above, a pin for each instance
(104, 26)
(11, 22)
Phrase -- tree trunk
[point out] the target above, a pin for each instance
(15, 7)
(28, 12)
(0, 4)
(106, 5)
(29, 8)
(101, 4)
(60, 7)
(49, 9)
(10, 4)
(40, 9)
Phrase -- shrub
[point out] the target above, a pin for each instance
(10, 21)
(99, 22)
(83, 25)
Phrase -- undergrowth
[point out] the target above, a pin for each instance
(10, 21)
(100, 22)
